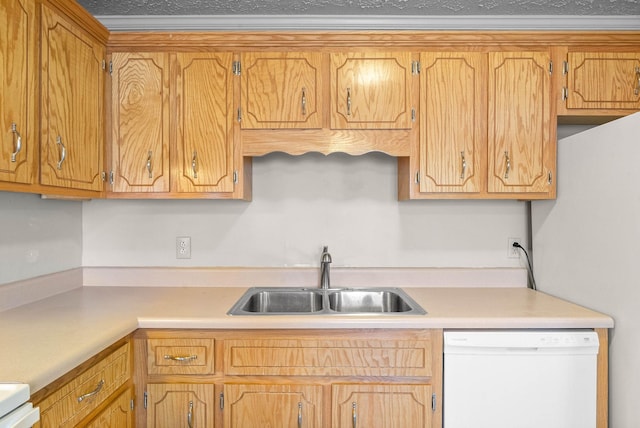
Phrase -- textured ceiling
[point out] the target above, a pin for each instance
(362, 7)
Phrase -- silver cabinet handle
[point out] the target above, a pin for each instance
(194, 164)
(190, 415)
(637, 90)
(149, 166)
(507, 168)
(299, 414)
(63, 151)
(181, 357)
(303, 101)
(348, 101)
(18, 142)
(92, 393)
(464, 166)
(354, 414)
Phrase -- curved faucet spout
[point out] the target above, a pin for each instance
(325, 260)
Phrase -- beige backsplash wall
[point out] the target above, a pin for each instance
(299, 204)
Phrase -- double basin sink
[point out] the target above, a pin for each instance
(333, 301)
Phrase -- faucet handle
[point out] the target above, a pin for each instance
(325, 257)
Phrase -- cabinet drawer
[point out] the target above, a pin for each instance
(180, 356)
(76, 399)
(328, 357)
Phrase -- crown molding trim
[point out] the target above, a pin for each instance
(362, 22)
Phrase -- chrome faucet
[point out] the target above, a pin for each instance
(325, 260)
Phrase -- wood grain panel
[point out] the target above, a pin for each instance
(371, 90)
(327, 357)
(199, 356)
(203, 152)
(282, 90)
(604, 80)
(72, 105)
(140, 122)
(521, 153)
(117, 415)
(453, 133)
(169, 405)
(18, 74)
(63, 408)
(379, 405)
(251, 405)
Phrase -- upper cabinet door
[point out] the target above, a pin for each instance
(453, 130)
(140, 122)
(203, 157)
(521, 151)
(281, 90)
(18, 76)
(371, 90)
(72, 105)
(603, 80)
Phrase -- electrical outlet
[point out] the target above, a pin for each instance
(514, 252)
(183, 247)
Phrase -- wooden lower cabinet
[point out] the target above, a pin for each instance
(118, 414)
(289, 378)
(381, 405)
(284, 406)
(180, 405)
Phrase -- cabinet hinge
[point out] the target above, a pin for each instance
(237, 69)
(415, 67)
(239, 114)
(235, 177)
(146, 397)
(413, 115)
(550, 67)
(221, 401)
(434, 402)
(132, 404)
(565, 94)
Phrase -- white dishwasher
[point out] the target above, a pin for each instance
(520, 379)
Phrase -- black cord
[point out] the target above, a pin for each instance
(532, 280)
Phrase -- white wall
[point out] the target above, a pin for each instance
(299, 204)
(38, 236)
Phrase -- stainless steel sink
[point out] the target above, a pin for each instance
(368, 301)
(283, 301)
(334, 301)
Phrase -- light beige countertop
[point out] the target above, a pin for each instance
(43, 340)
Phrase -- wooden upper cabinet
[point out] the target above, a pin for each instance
(522, 152)
(203, 158)
(371, 90)
(72, 105)
(603, 80)
(281, 90)
(140, 122)
(453, 127)
(380, 405)
(18, 77)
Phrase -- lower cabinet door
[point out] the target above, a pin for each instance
(117, 415)
(381, 406)
(282, 406)
(180, 405)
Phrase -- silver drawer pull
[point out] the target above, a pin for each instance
(149, 165)
(354, 414)
(463, 166)
(181, 357)
(18, 141)
(190, 415)
(348, 101)
(63, 151)
(507, 168)
(299, 414)
(303, 102)
(92, 393)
